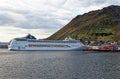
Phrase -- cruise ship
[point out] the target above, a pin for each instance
(31, 43)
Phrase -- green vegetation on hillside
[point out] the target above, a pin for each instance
(95, 25)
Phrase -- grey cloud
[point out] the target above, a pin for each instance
(4, 20)
(88, 3)
(39, 21)
(100, 2)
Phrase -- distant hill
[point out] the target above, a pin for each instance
(101, 24)
(3, 44)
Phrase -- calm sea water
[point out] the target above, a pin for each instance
(59, 65)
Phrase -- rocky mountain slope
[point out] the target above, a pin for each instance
(101, 24)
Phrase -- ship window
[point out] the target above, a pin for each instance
(21, 39)
(53, 41)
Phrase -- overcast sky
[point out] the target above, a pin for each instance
(42, 17)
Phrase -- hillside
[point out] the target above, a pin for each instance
(101, 24)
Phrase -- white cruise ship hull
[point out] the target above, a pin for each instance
(44, 45)
(47, 49)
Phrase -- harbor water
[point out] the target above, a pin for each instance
(59, 65)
